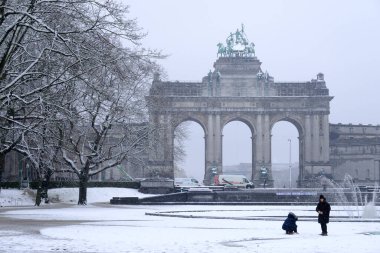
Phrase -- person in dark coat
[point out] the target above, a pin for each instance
(38, 197)
(323, 209)
(290, 224)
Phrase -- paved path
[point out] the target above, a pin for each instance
(32, 226)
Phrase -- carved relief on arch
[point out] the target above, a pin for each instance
(296, 120)
(246, 119)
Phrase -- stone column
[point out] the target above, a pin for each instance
(259, 140)
(169, 140)
(209, 145)
(259, 149)
(263, 150)
(301, 160)
(326, 138)
(317, 146)
(308, 148)
(267, 150)
(315, 139)
(213, 145)
(308, 143)
(218, 136)
(267, 141)
(205, 161)
(160, 148)
(254, 170)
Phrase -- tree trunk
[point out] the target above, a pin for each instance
(45, 184)
(2, 167)
(38, 196)
(39, 190)
(82, 190)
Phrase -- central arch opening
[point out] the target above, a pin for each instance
(237, 149)
(285, 154)
(189, 151)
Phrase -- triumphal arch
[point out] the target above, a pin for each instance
(239, 90)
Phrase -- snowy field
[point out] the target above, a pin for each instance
(100, 227)
(13, 197)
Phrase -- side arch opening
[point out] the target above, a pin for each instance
(237, 156)
(285, 158)
(189, 151)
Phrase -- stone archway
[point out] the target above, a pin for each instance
(199, 119)
(239, 144)
(238, 89)
(189, 142)
(249, 121)
(286, 138)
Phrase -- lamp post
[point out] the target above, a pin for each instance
(290, 163)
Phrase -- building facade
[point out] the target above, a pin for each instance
(355, 150)
(239, 90)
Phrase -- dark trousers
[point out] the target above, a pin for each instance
(324, 228)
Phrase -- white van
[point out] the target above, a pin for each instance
(179, 182)
(233, 180)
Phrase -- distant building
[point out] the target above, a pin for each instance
(355, 150)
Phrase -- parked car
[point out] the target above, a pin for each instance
(186, 181)
(233, 180)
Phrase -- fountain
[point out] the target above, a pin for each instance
(369, 210)
(348, 194)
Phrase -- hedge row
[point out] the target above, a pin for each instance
(7, 185)
(73, 184)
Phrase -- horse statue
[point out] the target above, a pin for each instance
(221, 50)
(250, 50)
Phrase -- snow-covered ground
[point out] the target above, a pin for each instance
(105, 228)
(13, 197)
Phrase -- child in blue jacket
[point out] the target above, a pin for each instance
(290, 224)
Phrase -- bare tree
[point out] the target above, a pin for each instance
(108, 124)
(47, 48)
(181, 134)
(42, 149)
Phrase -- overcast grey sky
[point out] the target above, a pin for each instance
(294, 40)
